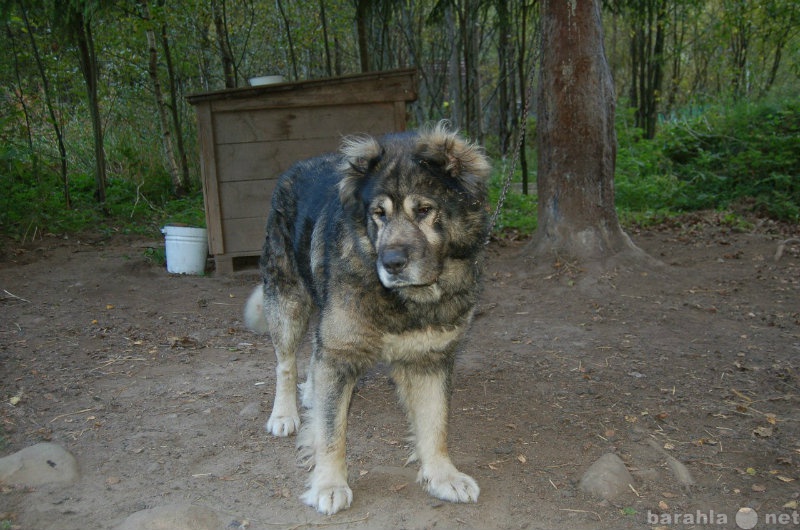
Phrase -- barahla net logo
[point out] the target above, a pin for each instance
(745, 518)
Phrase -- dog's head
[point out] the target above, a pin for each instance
(421, 199)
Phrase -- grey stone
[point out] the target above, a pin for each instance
(173, 517)
(606, 478)
(43, 463)
(251, 411)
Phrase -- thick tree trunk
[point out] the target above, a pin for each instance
(577, 141)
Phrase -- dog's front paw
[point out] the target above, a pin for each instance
(450, 485)
(329, 499)
(283, 425)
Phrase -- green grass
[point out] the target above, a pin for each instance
(30, 208)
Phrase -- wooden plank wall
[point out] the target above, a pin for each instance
(246, 143)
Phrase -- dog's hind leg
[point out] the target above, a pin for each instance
(287, 320)
(425, 393)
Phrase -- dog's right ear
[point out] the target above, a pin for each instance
(360, 154)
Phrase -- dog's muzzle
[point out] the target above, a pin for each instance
(394, 260)
(393, 267)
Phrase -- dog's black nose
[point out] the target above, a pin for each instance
(394, 260)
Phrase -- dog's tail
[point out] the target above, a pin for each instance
(254, 317)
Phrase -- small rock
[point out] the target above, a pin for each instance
(606, 478)
(173, 517)
(682, 474)
(44, 463)
(251, 411)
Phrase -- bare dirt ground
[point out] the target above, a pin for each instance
(153, 383)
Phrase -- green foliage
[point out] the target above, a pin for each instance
(746, 156)
(32, 207)
(643, 182)
(518, 214)
(156, 255)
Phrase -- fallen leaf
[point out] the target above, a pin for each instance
(772, 419)
(791, 505)
(759, 488)
(750, 471)
(763, 431)
(522, 459)
(109, 306)
(783, 478)
(398, 487)
(663, 505)
(183, 342)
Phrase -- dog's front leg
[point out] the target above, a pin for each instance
(330, 400)
(425, 393)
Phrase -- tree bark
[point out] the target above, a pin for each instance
(577, 141)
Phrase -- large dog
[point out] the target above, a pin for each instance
(385, 240)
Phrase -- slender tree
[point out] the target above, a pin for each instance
(288, 27)
(219, 13)
(362, 23)
(174, 105)
(75, 20)
(179, 184)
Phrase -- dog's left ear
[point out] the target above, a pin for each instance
(360, 154)
(445, 149)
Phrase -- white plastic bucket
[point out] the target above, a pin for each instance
(187, 249)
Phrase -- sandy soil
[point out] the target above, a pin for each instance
(153, 383)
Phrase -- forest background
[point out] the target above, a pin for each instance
(95, 130)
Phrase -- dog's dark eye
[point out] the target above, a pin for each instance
(379, 213)
(423, 210)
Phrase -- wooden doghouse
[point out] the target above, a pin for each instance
(249, 136)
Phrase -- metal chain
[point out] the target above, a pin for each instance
(520, 140)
